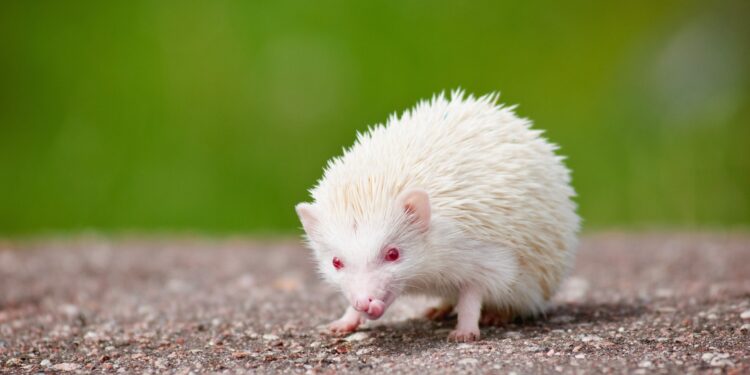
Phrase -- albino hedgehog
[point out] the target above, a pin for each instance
(459, 199)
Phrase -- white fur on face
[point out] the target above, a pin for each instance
(361, 246)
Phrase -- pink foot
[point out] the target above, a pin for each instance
(343, 326)
(469, 309)
(460, 335)
(495, 318)
(347, 323)
(438, 313)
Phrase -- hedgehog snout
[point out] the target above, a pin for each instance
(362, 302)
(371, 307)
(369, 293)
(376, 309)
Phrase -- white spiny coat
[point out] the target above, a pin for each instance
(502, 216)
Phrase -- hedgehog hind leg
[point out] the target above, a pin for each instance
(440, 312)
(496, 316)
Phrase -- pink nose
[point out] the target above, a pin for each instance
(376, 309)
(362, 303)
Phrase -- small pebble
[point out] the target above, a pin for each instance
(70, 310)
(12, 362)
(240, 355)
(513, 334)
(160, 363)
(745, 315)
(358, 336)
(468, 361)
(66, 367)
(589, 338)
(718, 360)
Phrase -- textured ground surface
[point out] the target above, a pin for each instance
(646, 303)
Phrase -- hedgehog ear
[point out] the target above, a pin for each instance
(308, 215)
(416, 204)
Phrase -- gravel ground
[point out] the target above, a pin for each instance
(636, 303)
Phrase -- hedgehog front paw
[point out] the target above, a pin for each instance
(347, 323)
(464, 335)
(343, 326)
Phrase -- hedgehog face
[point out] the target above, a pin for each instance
(370, 284)
(372, 259)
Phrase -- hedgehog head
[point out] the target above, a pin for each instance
(371, 254)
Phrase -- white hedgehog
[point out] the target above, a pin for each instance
(458, 198)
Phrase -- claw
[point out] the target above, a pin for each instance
(458, 335)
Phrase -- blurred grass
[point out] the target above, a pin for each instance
(217, 116)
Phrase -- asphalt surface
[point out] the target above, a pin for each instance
(636, 303)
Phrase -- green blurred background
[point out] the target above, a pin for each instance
(215, 117)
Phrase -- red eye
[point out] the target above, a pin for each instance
(337, 263)
(392, 254)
